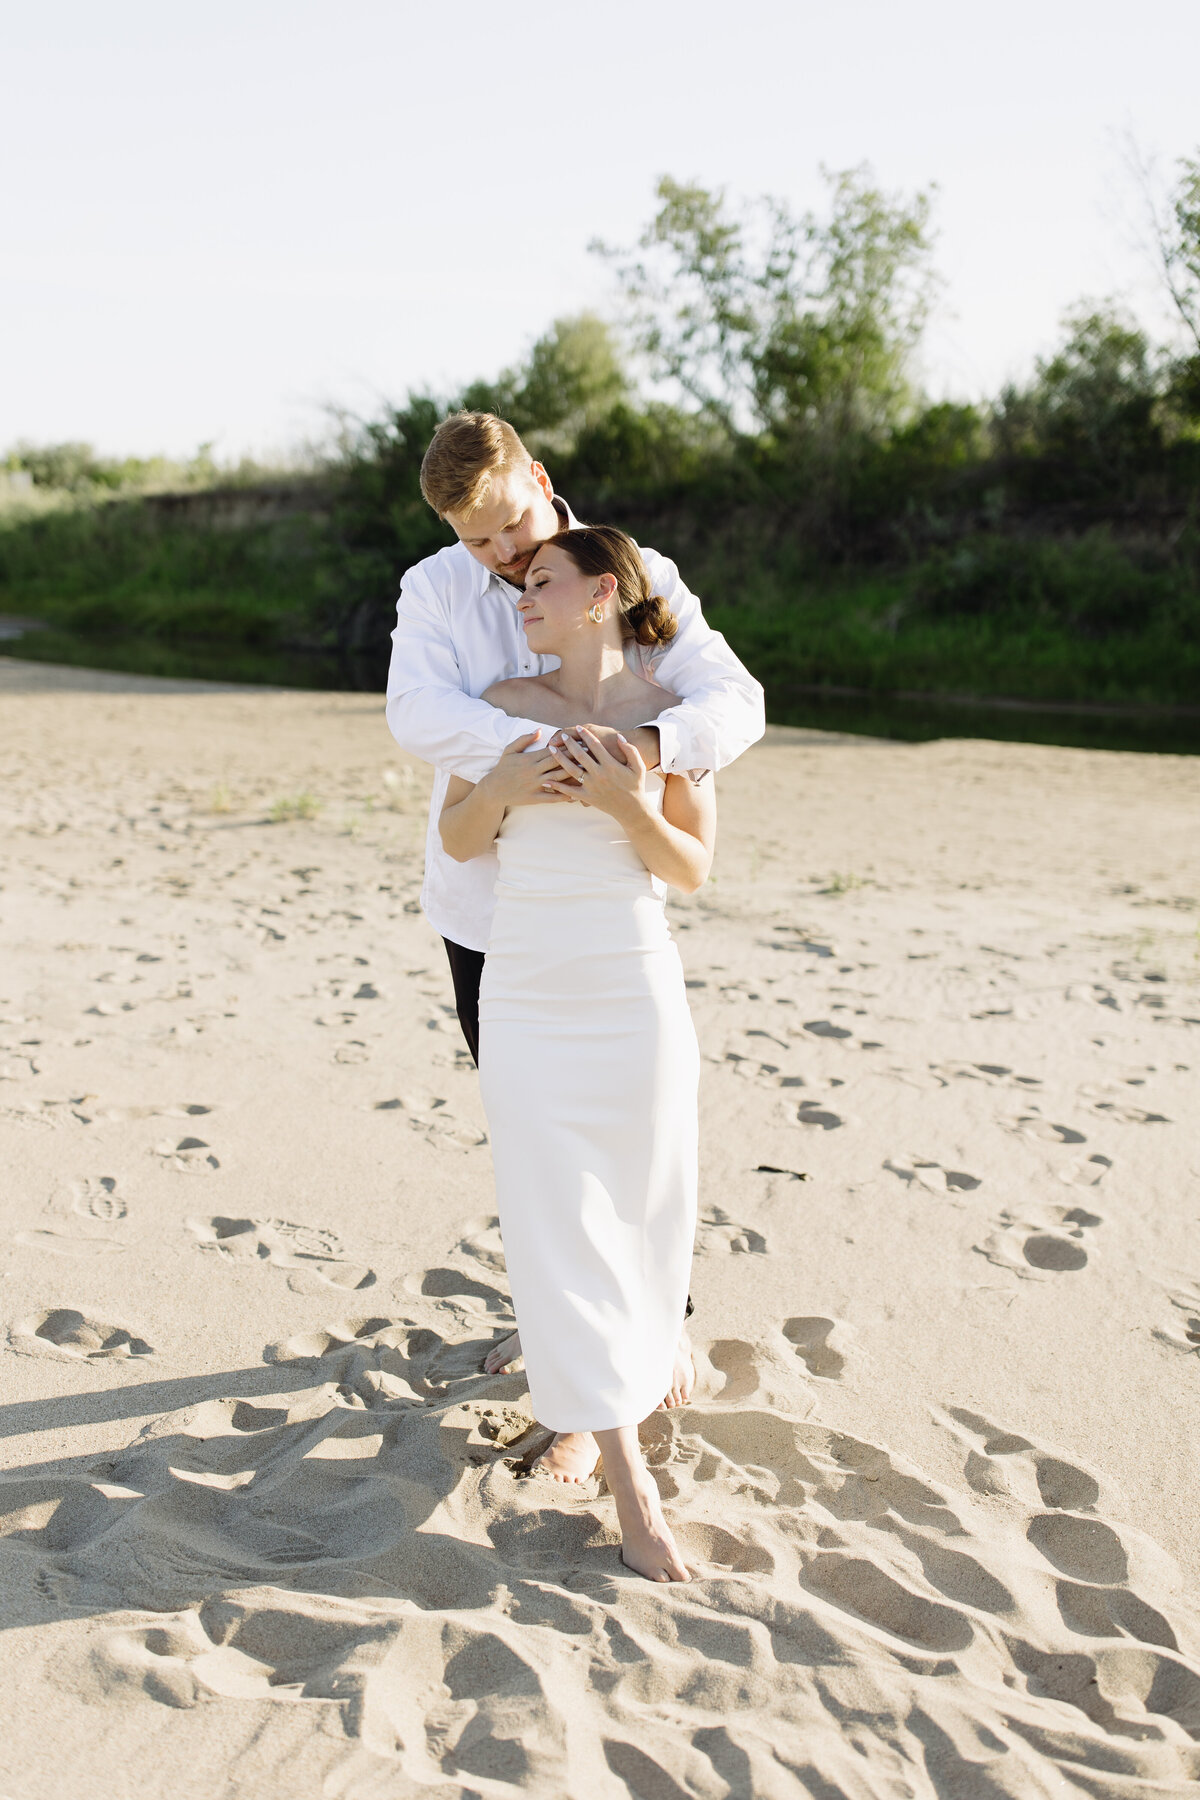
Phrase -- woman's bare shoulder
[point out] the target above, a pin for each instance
(517, 696)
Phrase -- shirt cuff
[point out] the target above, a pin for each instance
(670, 751)
(668, 745)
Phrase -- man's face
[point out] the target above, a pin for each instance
(516, 517)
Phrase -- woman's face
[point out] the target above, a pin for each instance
(554, 606)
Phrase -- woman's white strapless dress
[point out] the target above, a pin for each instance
(588, 1067)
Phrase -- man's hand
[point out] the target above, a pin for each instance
(613, 783)
(520, 780)
(644, 740)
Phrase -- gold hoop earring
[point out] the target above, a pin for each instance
(596, 614)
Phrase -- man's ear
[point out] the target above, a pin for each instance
(543, 480)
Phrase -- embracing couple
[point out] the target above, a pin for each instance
(575, 705)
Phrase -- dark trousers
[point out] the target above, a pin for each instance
(466, 971)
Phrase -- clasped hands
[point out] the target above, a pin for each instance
(592, 765)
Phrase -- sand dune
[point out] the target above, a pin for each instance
(265, 1526)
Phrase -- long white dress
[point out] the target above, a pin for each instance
(588, 1067)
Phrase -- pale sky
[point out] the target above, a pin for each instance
(215, 219)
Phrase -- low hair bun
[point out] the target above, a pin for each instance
(651, 621)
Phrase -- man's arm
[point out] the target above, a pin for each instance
(721, 711)
(428, 712)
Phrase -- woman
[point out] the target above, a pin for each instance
(588, 1059)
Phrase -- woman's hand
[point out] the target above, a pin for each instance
(521, 780)
(612, 784)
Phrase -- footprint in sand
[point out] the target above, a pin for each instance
(314, 1255)
(1182, 1330)
(750, 1069)
(719, 1235)
(1093, 993)
(860, 1587)
(940, 1075)
(428, 1115)
(462, 1292)
(444, 1021)
(1032, 1125)
(1000, 1461)
(45, 1113)
(1085, 1171)
(933, 1177)
(123, 1115)
(382, 1362)
(189, 1156)
(994, 1074)
(97, 1198)
(482, 1242)
(1129, 1115)
(821, 1344)
(1054, 1242)
(811, 1112)
(64, 1333)
(63, 1243)
(825, 1028)
(734, 1371)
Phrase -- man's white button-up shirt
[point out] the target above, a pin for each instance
(458, 631)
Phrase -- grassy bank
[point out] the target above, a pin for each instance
(1080, 619)
(1071, 623)
(140, 567)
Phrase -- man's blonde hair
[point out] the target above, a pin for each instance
(466, 453)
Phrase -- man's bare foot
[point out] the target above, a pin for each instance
(683, 1374)
(647, 1546)
(571, 1457)
(501, 1356)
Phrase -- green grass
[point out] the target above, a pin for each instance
(134, 585)
(123, 567)
(1133, 638)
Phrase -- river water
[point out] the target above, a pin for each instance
(912, 719)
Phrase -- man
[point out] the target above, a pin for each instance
(458, 631)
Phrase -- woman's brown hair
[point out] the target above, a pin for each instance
(603, 550)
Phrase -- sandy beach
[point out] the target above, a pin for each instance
(263, 1528)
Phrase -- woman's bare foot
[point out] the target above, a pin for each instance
(571, 1457)
(501, 1356)
(647, 1546)
(683, 1374)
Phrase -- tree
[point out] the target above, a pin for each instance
(799, 326)
(1179, 246)
(1091, 409)
(572, 379)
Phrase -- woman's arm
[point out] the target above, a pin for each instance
(473, 812)
(676, 845)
